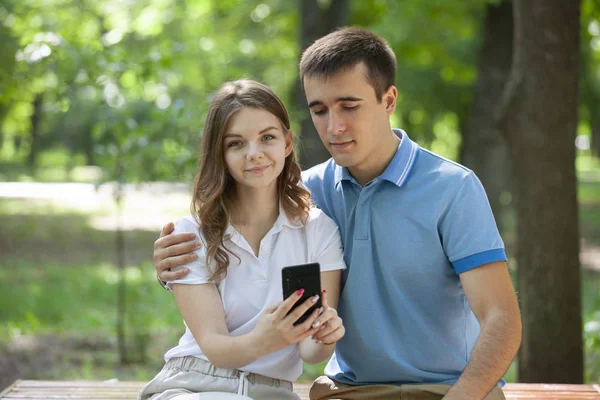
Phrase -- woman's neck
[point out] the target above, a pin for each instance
(254, 212)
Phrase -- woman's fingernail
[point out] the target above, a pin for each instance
(315, 324)
(320, 310)
(324, 291)
(300, 292)
(314, 298)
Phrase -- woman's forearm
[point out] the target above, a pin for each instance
(314, 353)
(231, 352)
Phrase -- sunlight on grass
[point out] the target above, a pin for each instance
(588, 168)
(53, 298)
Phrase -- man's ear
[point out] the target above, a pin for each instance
(389, 99)
(289, 142)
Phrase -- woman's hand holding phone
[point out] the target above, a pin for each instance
(329, 324)
(275, 328)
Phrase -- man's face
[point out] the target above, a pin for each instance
(347, 115)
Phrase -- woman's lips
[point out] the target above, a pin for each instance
(257, 170)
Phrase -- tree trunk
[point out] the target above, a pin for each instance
(120, 258)
(3, 112)
(315, 23)
(538, 116)
(484, 150)
(36, 119)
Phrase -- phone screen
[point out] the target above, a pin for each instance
(304, 276)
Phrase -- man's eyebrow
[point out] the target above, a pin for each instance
(346, 98)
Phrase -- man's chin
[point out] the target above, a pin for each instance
(343, 160)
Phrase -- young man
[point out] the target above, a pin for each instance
(427, 301)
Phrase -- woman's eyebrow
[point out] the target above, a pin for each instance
(237, 135)
(268, 129)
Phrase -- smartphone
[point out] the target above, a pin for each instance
(303, 276)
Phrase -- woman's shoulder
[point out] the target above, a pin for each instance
(189, 224)
(317, 220)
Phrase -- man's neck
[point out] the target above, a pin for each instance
(376, 163)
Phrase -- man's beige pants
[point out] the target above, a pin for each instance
(326, 388)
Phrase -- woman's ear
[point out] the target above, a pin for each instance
(289, 142)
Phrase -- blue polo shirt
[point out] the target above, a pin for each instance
(407, 236)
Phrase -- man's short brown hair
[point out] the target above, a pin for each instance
(345, 48)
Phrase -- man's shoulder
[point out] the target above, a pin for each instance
(319, 174)
(431, 164)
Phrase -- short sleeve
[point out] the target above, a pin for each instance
(468, 230)
(199, 271)
(325, 244)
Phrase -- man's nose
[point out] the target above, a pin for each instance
(335, 123)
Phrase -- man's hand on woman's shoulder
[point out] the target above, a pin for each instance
(173, 250)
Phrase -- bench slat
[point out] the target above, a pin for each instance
(97, 390)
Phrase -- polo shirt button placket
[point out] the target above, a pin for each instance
(362, 218)
(263, 256)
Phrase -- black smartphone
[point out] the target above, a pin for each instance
(303, 276)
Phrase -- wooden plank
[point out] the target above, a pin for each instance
(8, 388)
(120, 384)
(97, 390)
(529, 387)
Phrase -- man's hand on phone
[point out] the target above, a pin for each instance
(173, 250)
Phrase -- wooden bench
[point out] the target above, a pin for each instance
(26, 389)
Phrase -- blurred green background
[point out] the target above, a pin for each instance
(101, 111)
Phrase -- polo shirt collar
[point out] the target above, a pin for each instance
(399, 167)
(284, 220)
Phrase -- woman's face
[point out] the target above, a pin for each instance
(255, 147)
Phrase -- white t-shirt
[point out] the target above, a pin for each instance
(255, 283)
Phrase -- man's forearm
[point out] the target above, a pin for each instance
(495, 349)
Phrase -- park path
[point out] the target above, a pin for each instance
(149, 206)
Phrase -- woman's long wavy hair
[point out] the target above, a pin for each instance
(214, 187)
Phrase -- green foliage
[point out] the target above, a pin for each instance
(591, 330)
(127, 83)
(435, 44)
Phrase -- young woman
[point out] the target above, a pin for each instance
(252, 217)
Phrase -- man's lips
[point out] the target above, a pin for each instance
(341, 145)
